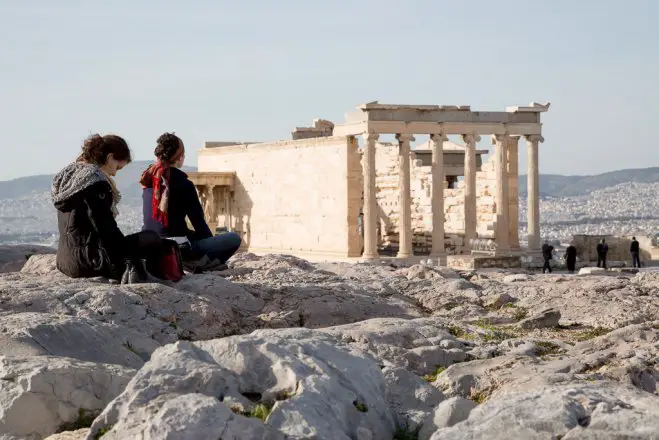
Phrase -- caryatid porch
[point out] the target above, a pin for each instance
(405, 121)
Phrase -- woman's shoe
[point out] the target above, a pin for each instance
(136, 273)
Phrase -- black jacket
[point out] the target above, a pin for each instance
(183, 202)
(634, 247)
(547, 251)
(90, 242)
(571, 253)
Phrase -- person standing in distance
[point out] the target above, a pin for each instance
(547, 251)
(635, 250)
(602, 250)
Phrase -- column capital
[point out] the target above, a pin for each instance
(500, 139)
(438, 137)
(471, 138)
(404, 137)
(371, 137)
(535, 138)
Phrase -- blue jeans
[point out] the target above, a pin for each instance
(220, 247)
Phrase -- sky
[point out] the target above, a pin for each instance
(253, 70)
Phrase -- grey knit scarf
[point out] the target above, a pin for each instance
(77, 177)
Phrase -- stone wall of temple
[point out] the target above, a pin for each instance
(300, 196)
(387, 161)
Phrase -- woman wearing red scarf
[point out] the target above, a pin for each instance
(169, 197)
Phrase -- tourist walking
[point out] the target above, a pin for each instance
(571, 258)
(635, 251)
(602, 250)
(86, 199)
(169, 197)
(547, 251)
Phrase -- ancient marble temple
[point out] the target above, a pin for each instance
(338, 191)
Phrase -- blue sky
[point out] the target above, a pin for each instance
(251, 70)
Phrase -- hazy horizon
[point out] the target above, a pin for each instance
(217, 71)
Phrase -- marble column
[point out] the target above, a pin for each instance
(501, 148)
(513, 191)
(405, 197)
(370, 202)
(533, 180)
(470, 186)
(438, 249)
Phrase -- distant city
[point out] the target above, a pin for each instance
(27, 214)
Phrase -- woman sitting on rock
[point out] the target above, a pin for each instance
(86, 198)
(169, 197)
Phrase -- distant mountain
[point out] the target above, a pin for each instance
(566, 186)
(127, 182)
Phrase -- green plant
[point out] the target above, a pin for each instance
(433, 376)
(592, 333)
(459, 332)
(493, 334)
(546, 348)
(520, 313)
(261, 412)
(477, 396)
(361, 407)
(101, 432)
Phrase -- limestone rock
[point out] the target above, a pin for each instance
(41, 264)
(410, 397)
(196, 416)
(591, 271)
(419, 345)
(498, 300)
(78, 434)
(447, 414)
(604, 411)
(41, 395)
(313, 389)
(30, 334)
(546, 318)
(517, 277)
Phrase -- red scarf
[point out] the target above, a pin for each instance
(157, 177)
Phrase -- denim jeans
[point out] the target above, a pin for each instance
(220, 247)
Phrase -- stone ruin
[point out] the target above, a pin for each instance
(323, 195)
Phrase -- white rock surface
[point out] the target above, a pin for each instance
(34, 334)
(38, 395)
(447, 414)
(604, 411)
(324, 391)
(381, 332)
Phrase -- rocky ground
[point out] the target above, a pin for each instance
(279, 348)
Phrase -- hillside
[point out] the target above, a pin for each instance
(567, 186)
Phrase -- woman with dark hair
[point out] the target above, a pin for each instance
(86, 199)
(169, 197)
